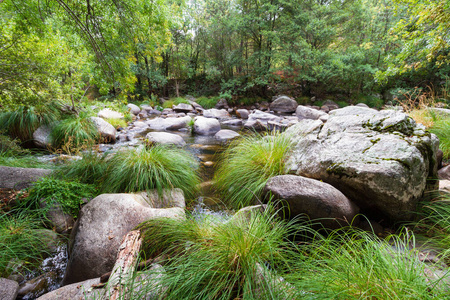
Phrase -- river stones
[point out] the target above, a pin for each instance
(8, 289)
(165, 138)
(216, 113)
(106, 130)
(283, 104)
(134, 109)
(20, 178)
(102, 224)
(379, 160)
(314, 198)
(304, 112)
(172, 123)
(226, 135)
(206, 126)
(109, 114)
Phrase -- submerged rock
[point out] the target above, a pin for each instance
(379, 160)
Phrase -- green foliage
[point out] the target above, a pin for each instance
(157, 167)
(353, 264)
(371, 101)
(74, 134)
(10, 147)
(441, 128)
(27, 161)
(22, 122)
(68, 194)
(207, 102)
(435, 225)
(21, 243)
(209, 259)
(91, 169)
(246, 166)
(117, 123)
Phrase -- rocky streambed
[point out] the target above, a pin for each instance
(344, 161)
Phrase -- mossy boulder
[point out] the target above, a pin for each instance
(381, 160)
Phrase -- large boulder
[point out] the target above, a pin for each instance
(169, 123)
(20, 178)
(183, 107)
(109, 114)
(379, 160)
(216, 113)
(134, 109)
(165, 138)
(8, 289)
(317, 199)
(106, 130)
(42, 136)
(206, 126)
(102, 224)
(284, 104)
(304, 112)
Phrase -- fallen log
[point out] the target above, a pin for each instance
(124, 266)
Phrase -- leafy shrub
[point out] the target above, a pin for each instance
(51, 190)
(21, 243)
(206, 102)
(74, 134)
(117, 123)
(246, 166)
(10, 147)
(156, 167)
(22, 122)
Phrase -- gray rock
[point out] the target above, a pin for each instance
(183, 107)
(263, 117)
(257, 125)
(109, 114)
(41, 136)
(444, 186)
(20, 178)
(379, 160)
(134, 109)
(146, 107)
(304, 112)
(284, 104)
(206, 126)
(169, 123)
(314, 198)
(165, 138)
(37, 285)
(226, 135)
(362, 105)
(101, 226)
(195, 105)
(242, 113)
(59, 220)
(233, 122)
(222, 103)
(76, 291)
(216, 113)
(331, 104)
(106, 130)
(444, 173)
(168, 198)
(245, 213)
(8, 289)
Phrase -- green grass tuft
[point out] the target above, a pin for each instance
(207, 102)
(74, 134)
(68, 194)
(117, 123)
(239, 259)
(90, 169)
(22, 122)
(246, 166)
(157, 167)
(21, 243)
(441, 128)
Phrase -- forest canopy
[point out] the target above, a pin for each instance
(57, 50)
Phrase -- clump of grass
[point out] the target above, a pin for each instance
(10, 147)
(435, 224)
(239, 259)
(21, 244)
(74, 134)
(246, 166)
(207, 102)
(117, 123)
(441, 128)
(423, 116)
(23, 162)
(68, 194)
(156, 167)
(353, 264)
(90, 169)
(22, 122)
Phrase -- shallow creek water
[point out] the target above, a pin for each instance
(206, 149)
